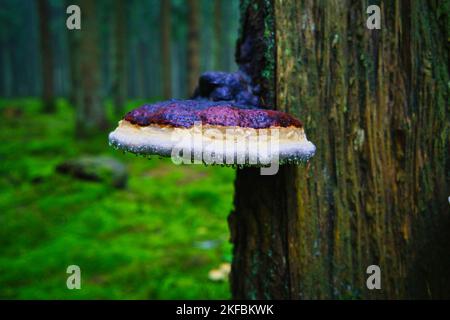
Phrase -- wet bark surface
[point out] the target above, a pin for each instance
(375, 103)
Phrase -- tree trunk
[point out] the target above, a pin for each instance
(218, 38)
(91, 115)
(375, 103)
(120, 73)
(46, 55)
(142, 54)
(166, 36)
(7, 71)
(73, 47)
(193, 45)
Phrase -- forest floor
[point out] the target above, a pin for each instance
(156, 239)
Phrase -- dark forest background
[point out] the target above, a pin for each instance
(136, 228)
(144, 30)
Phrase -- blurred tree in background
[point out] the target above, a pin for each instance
(46, 55)
(139, 50)
(193, 54)
(91, 114)
(119, 88)
(166, 28)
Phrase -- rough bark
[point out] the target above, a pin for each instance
(90, 112)
(375, 103)
(193, 45)
(120, 70)
(166, 31)
(46, 56)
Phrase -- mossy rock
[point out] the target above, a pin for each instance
(96, 168)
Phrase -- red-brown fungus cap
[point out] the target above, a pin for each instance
(185, 113)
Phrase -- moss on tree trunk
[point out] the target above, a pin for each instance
(375, 103)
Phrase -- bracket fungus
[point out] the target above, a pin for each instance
(221, 124)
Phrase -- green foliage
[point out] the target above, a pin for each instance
(138, 243)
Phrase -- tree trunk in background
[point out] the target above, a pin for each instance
(73, 39)
(120, 70)
(375, 103)
(166, 36)
(228, 34)
(90, 112)
(218, 40)
(7, 71)
(46, 56)
(193, 45)
(142, 54)
(73, 48)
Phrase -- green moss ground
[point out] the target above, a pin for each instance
(157, 239)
